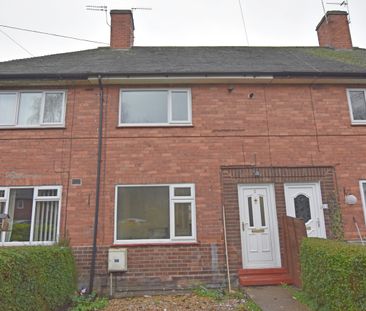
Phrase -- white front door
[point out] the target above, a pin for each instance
(259, 230)
(304, 201)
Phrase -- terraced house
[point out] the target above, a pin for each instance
(179, 164)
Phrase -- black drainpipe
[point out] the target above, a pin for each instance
(97, 187)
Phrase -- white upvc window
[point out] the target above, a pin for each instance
(29, 109)
(155, 214)
(357, 105)
(36, 221)
(155, 107)
(363, 196)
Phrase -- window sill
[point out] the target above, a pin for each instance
(10, 244)
(358, 123)
(153, 125)
(180, 243)
(48, 127)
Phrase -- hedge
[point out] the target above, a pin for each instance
(36, 278)
(334, 274)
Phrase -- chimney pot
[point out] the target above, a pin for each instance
(122, 28)
(333, 31)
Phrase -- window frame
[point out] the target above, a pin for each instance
(353, 121)
(170, 122)
(363, 198)
(172, 199)
(41, 124)
(36, 199)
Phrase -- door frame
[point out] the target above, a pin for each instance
(318, 199)
(272, 212)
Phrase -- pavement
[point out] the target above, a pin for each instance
(274, 298)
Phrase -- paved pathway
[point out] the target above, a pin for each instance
(274, 298)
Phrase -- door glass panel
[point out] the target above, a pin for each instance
(302, 207)
(250, 209)
(263, 216)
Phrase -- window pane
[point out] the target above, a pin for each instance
(143, 213)
(144, 107)
(20, 218)
(53, 108)
(182, 192)
(2, 193)
(358, 105)
(8, 104)
(47, 193)
(183, 219)
(45, 221)
(4, 226)
(179, 106)
(30, 108)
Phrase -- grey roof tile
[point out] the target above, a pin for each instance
(191, 61)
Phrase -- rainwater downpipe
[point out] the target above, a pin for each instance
(97, 187)
(225, 233)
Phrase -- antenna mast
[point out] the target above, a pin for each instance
(102, 8)
(341, 4)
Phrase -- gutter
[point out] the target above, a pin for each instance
(97, 187)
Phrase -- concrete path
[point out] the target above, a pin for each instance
(274, 298)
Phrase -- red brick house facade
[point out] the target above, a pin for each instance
(252, 144)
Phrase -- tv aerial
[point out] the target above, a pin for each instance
(104, 8)
(101, 8)
(341, 4)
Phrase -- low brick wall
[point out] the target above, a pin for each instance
(155, 268)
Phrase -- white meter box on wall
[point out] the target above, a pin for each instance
(117, 259)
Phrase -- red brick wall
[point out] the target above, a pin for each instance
(283, 125)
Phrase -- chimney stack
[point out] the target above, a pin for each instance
(333, 31)
(122, 28)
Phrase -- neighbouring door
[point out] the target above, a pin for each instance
(259, 229)
(303, 200)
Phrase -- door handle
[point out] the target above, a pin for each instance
(243, 224)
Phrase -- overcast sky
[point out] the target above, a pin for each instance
(170, 22)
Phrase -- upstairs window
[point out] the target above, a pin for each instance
(156, 107)
(357, 105)
(32, 109)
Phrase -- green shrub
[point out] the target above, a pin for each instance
(36, 278)
(89, 302)
(334, 274)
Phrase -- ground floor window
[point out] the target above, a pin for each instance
(31, 213)
(363, 196)
(155, 213)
